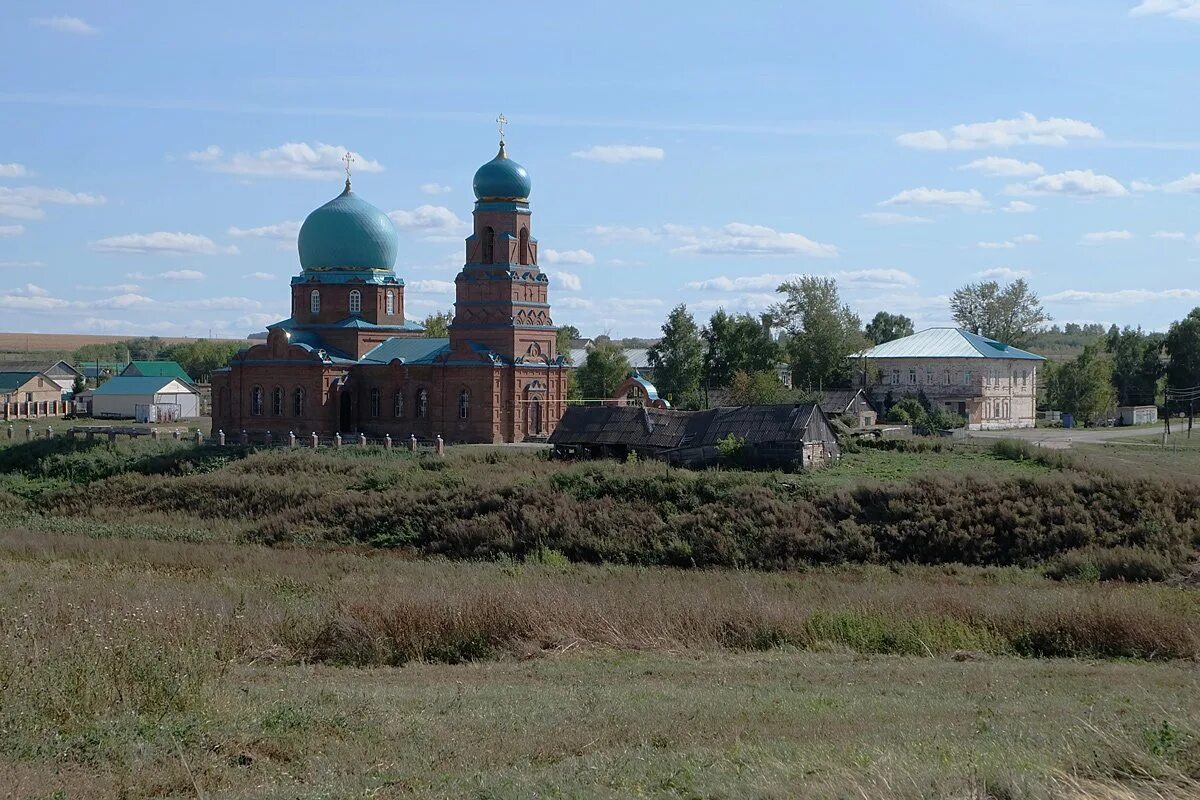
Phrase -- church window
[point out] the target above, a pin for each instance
(375, 401)
(298, 402)
(398, 404)
(277, 401)
(314, 302)
(355, 301)
(422, 403)
(464, 404)
(524, 245)
(391, 303)
(256, 401)
(489, 246)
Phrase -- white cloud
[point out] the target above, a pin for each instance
(11, 230)
(568, 280)
(122, 288)
(73, 25)
(1075, 182)
(434, 188)
(1177, 9)
(1005, 167)
(21, 264)
(1024, 238)
(162, 242)
(1004, 273)
(435, 222)
(182, 275)
(549, 256)
(1027, 238)
(24, 202)
(1123, 296)
(290, 160)
(224, 303)
(864, 278)
(892, 218)
(925, 196)
(28, 290)
(1100, 237)
(260, 276)
(13, 171)
(1025, 129)
(433, 286)
(995, 245)
(620, 153)
(1188, 183)
(623, 233)
(1173, 235)
(283, 231)
(1019, 207)
(572, 302)
(738, 238)
(256, 321)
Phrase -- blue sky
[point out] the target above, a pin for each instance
(157, 158)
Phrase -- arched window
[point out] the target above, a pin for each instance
(314, 302)
(524, 254)
(298, 402)
(422, 404)
(489, 246)
(391, 302)
(256, 401)
(277, 401)
(355, 301)
(375, 401)
(464, 404)
(398, 404)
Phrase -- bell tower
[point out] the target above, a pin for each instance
(501, 295)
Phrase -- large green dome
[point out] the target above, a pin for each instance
(347, 233)
(501, 179)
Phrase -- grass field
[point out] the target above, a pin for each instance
(189, 622)
(27, 346)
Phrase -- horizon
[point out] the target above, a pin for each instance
(155, 163)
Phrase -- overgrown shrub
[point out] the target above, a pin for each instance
(1113, 563)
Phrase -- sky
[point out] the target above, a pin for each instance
(156, 159)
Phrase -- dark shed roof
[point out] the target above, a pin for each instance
(663, 429)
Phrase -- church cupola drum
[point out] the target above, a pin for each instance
(347, 361)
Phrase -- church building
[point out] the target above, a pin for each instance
(347, 360)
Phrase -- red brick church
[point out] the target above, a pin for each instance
(348, 361)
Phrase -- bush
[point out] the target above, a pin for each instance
(1091, 564)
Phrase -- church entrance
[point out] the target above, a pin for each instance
(345, 411)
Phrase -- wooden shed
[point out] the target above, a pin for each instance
(782, 435)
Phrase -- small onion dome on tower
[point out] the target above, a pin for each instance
(348, 233)
(501, 179)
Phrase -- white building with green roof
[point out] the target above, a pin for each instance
(991, 384)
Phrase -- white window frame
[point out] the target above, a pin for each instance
(314, 302)
(355, 301)
(391, 303)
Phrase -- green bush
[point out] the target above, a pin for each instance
(1111, 564)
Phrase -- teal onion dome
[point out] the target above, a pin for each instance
(348, 233)
(501, 179)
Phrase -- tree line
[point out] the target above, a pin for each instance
(198, 358)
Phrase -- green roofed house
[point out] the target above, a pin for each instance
(28, 395)
(163, 399)
(991, 384)
(156, 369)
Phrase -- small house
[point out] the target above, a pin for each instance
(156, 369)
(163, 399)
(849, 403)
(60, 372)
(29, 395)
(779, 435)
(1137, 415)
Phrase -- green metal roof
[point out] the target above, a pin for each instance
(15, 380)
(410, 350)
(156, 369)
(948, 343)
(132, 384)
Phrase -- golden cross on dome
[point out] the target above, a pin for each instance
(502, 121)
(349, 159)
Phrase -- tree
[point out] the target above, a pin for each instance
(756, 389)
(734, 344)
(678, 359)
(437, 324)
(1183, 346)
(885, 327)
(1137, 364)
(1010, 315)
(605, 369)
(109, 351)
(562, 340)
(821, 332)
(1082, 387)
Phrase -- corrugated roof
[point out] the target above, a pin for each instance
(410, 350)
(662, 429)
(158, 369)
(15, 380)
(136, 385)
(947, 343)
(638, 357)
